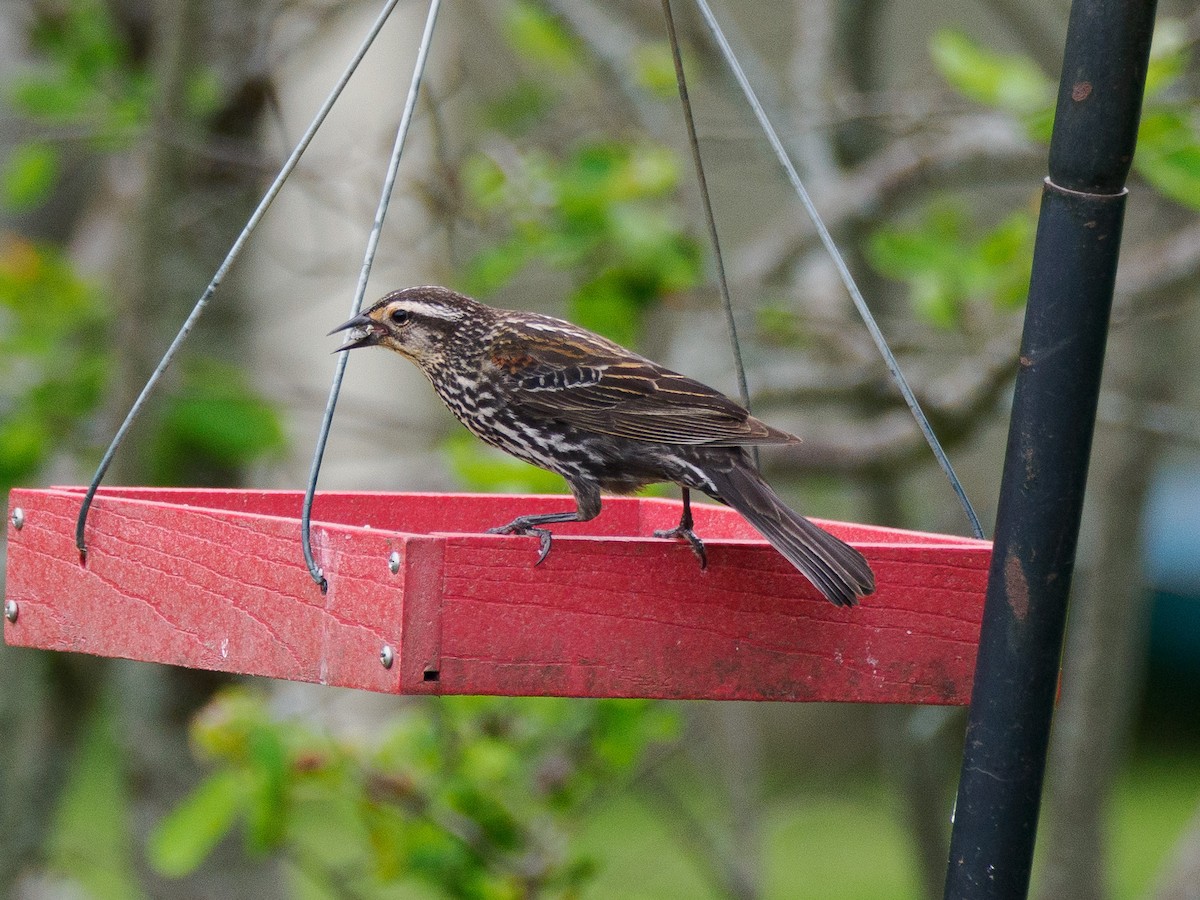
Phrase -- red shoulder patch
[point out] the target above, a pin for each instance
(512, 364)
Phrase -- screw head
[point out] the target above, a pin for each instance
(387, 656)
(18, 517)
(394, 561)
(11, 610)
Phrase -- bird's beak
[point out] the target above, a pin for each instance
(366, 333)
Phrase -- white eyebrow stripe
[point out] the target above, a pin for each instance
(432, 310)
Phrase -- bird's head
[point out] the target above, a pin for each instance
(421, 323)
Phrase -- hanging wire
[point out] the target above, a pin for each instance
(709, 218)
(844, 271)
(364, 274)
(722, 283)
(233, 254)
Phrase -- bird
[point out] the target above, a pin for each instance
(601, 416)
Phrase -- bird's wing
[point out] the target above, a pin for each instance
(579, 378)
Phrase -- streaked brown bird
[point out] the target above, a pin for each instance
(602, 417)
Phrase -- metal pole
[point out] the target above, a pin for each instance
(1049, 442)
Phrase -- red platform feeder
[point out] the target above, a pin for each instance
(421, 602)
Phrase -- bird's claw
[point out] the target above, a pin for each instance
(544, 536)
(685, 532)
(544, 539)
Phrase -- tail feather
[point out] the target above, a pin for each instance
(835, 568)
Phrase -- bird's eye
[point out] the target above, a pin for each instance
(400, 316)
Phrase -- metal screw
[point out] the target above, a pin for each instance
(394, 561)
(18, 517)
(11, 610)
(387, 656)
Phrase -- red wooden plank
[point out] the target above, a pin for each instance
(214, 579)
(202, 588)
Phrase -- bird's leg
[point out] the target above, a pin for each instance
(684, 530)
(587, 507)
(530, 526)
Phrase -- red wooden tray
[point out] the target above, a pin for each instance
(214, 579)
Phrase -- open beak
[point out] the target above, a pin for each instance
(366, 333)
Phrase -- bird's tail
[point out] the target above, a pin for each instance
(836, 569)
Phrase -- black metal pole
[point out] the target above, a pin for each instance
(1049, 442)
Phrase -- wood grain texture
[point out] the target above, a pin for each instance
(215, 580)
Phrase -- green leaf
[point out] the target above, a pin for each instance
(265, 799)
(89, 40)
(488, 812)
(1168, 155)
(229, 429)
(215, 420)
(605, 306)
(654, 68)
(1039, 124)
(25, 441)
(947, 267)
(90, 841)
(1006, 257)
(490, 761)
(389, 839)
(491, 269)
(182, 840)
(29, 176)
(934, 301)
(54, 101)
(649, 172)
(624, 728)
(485, 181)
(539, 37)
(519, 108)
(1007, 81)
(926, 248)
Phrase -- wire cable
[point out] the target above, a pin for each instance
(364, 274)
(698, 162)
(710, 219)
(230, 257)
(843, 270)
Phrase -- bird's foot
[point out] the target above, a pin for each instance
(685, 531)
(520, 526)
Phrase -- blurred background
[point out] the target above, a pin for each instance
(547, 169)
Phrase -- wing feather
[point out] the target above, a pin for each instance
(591, 383)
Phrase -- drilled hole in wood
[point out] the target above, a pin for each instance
(432, 675)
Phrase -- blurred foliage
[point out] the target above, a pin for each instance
(536, 35)
(604, 210)
(474, 797)
(29, 176)
(599, 213)
(91, 840)
(654, 70)
(1010, 82)
(212, 425)
(947, 269)
(87, 86)
(55, 326)
(54, 361)
(482, 468)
